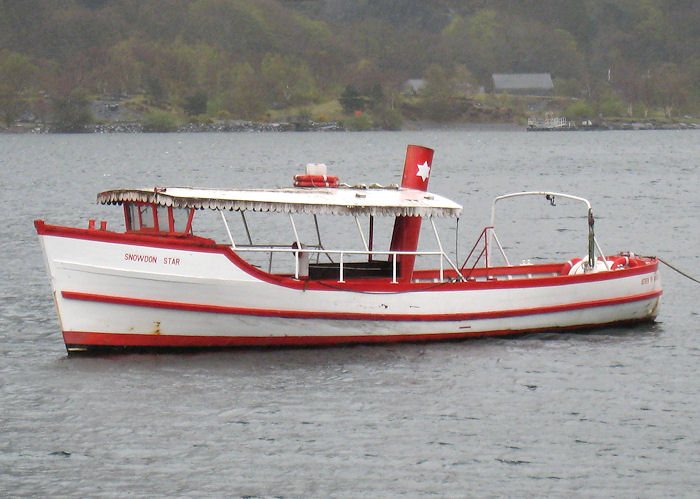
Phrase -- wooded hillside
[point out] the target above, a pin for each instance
(251, 59)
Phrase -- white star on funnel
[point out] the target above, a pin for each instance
(423, 171)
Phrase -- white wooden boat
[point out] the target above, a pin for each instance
(156, 284)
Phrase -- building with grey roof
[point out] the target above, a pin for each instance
(523, 83)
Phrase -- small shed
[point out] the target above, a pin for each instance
(523, 83)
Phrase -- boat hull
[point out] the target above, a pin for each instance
(125, 291)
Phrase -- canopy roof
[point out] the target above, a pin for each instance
(326, 201)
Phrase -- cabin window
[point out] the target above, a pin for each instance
(132, 216)
(181, 218)
(151, 218)
(162, 213)
(146, 216)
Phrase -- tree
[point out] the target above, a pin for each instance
(376, 95)
(196, 104)
(580, 110)
(351, 100)
(611, 106)
(286, 81)
(71, 113)
(488, 50)
(250, 55)
(237, 26)
(672, 87)
(437, 96)
(245, 99)
(16, 76)
(126, 66)
(160, 121)
(155, 90)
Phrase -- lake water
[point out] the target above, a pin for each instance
(610, 413)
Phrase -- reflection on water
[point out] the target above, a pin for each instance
(612, 412)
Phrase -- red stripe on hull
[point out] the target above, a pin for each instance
(203, 245)
(76, 340)
(294, 314)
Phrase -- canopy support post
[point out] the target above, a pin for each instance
(294, 228)
(359, 228)
(443, 254)
(247, 231)
(320, 244)
(298, 244)
(228, 231)
(457, 241)
(371, 236)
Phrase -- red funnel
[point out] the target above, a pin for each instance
(416, 168)
(416, 174)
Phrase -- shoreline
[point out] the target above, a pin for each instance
(618, 125)
(240, 126)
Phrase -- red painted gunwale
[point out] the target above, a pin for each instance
(195, 243)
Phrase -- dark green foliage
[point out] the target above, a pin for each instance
(160, 121)
(351, 100)
(71, 113)
(155, 90)
(580, 110)
(389, 119)
(611, 106)
(195, 104)
(359, 122)
(376, 95)
(251, 56)
(16, 77)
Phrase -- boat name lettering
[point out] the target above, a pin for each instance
(135, 257)
(650, 279)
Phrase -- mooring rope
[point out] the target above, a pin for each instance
(677, 270)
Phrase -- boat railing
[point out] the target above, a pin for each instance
(486, 235)
(342, 254)
(550, 198)
(483, 247)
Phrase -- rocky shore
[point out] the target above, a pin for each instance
(647, 125)
(312, 126)
(225, 126)
(255, 126)
(562, 125)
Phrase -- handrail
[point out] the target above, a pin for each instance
(342, 253)
(485, 251)
(471, 252)
(550, 196)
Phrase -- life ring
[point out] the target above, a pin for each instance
(635, 262)
(618, 261)
(566, 269)
(300, 183)
(315, 181)
(315, 178)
